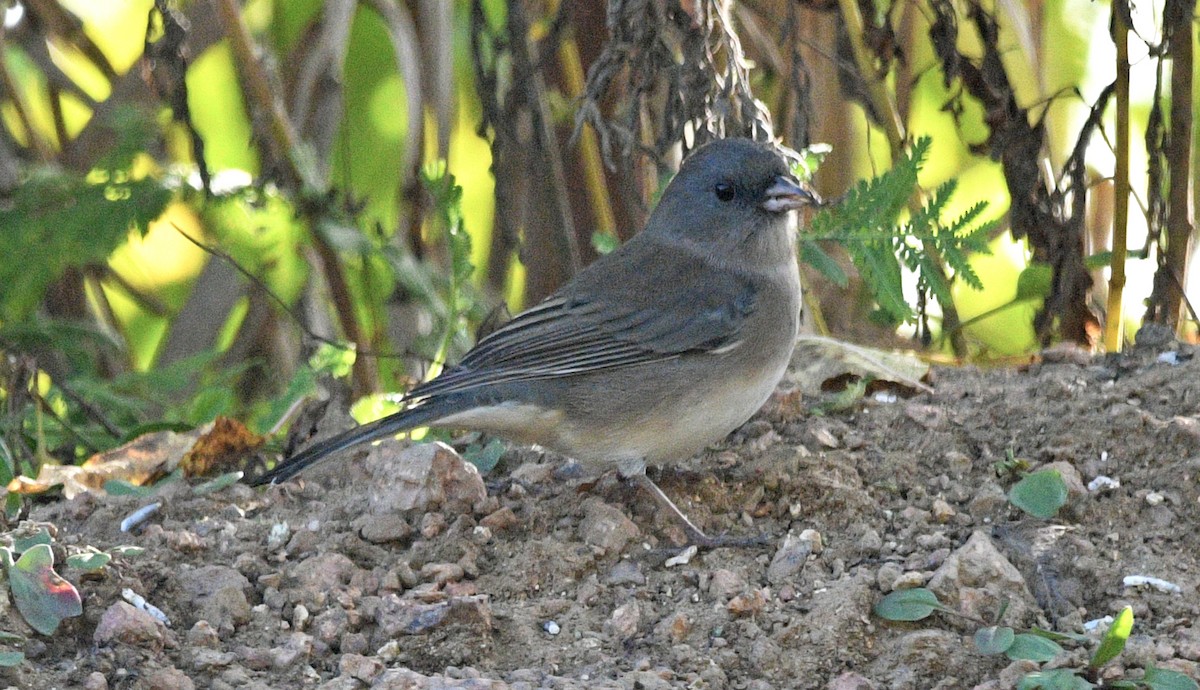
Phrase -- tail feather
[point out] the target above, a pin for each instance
(421, 415)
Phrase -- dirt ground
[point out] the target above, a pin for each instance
(557, 580)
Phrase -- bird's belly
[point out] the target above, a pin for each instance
(674, 426)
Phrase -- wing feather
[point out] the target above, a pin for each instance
(612, 315)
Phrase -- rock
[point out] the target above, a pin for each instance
(398, 616)
(407, 679)
(325, 571)
(674, 628)
(123, 623)
(850, 681)
(256, 658)
(330, 625)
(1070, 476)
(422, 478)
(381, 529)
(203, 635)
(887, 574)
(218, 593)
(943, 512)
(364, 668)
(166, 679)
(625, 573)
(789, 559)
(95, 681)
(606, 527)
(441, 573)
(353, 643)
(923, 654)
(433, 524)
(989, 499)
(623, 623)
(297, 648)
(977, 578)
(725, 584)
(747, 604)
(204, 659)
(499, 520)
(533, 472)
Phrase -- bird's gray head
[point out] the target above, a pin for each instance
(731, 195)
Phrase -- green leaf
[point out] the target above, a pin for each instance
(120, 487)
(89, 562)
(127, 551)
(1164, 679)
(994, 639)
(605, 242)
(56, 220)
(812, 254)
(43, 597)
(1035, 282)
(1033, 647)
(1057, 679)
(213, 485)
(10, 659)
(485, 458)
(1040, 493)
(24, 542)
(1114, 639)
(908, 605)
(1058, 636)
(1098, 260)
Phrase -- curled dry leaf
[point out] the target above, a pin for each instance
(817, 360)
(147, 458)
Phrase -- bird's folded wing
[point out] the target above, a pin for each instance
(611, 315)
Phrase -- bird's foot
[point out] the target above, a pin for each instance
(695, 536)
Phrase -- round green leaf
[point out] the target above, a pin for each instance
(1057, 679)
(1040, 493)
(994, 639)
(907, 605)
(1033, 648)
(1163, 679)
(10, 659)
(42, 596)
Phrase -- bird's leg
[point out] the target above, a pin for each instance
(694, 534)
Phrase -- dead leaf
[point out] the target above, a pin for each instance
(139, 462)
(817, 360)
(221, 448)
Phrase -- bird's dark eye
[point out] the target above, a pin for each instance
(724, 191)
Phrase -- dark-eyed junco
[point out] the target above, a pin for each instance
(650, 353)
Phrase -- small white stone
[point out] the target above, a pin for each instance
(683, 557)
(551, 628)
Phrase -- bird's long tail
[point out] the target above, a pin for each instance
(422, 414)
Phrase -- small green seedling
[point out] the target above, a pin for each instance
(43, 596)
(1040, 646)
(1041, 493)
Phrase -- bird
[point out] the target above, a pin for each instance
(649, 354)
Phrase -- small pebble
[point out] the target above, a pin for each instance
(551, 628)
(682, 558)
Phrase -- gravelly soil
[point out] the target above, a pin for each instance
(554, 580)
